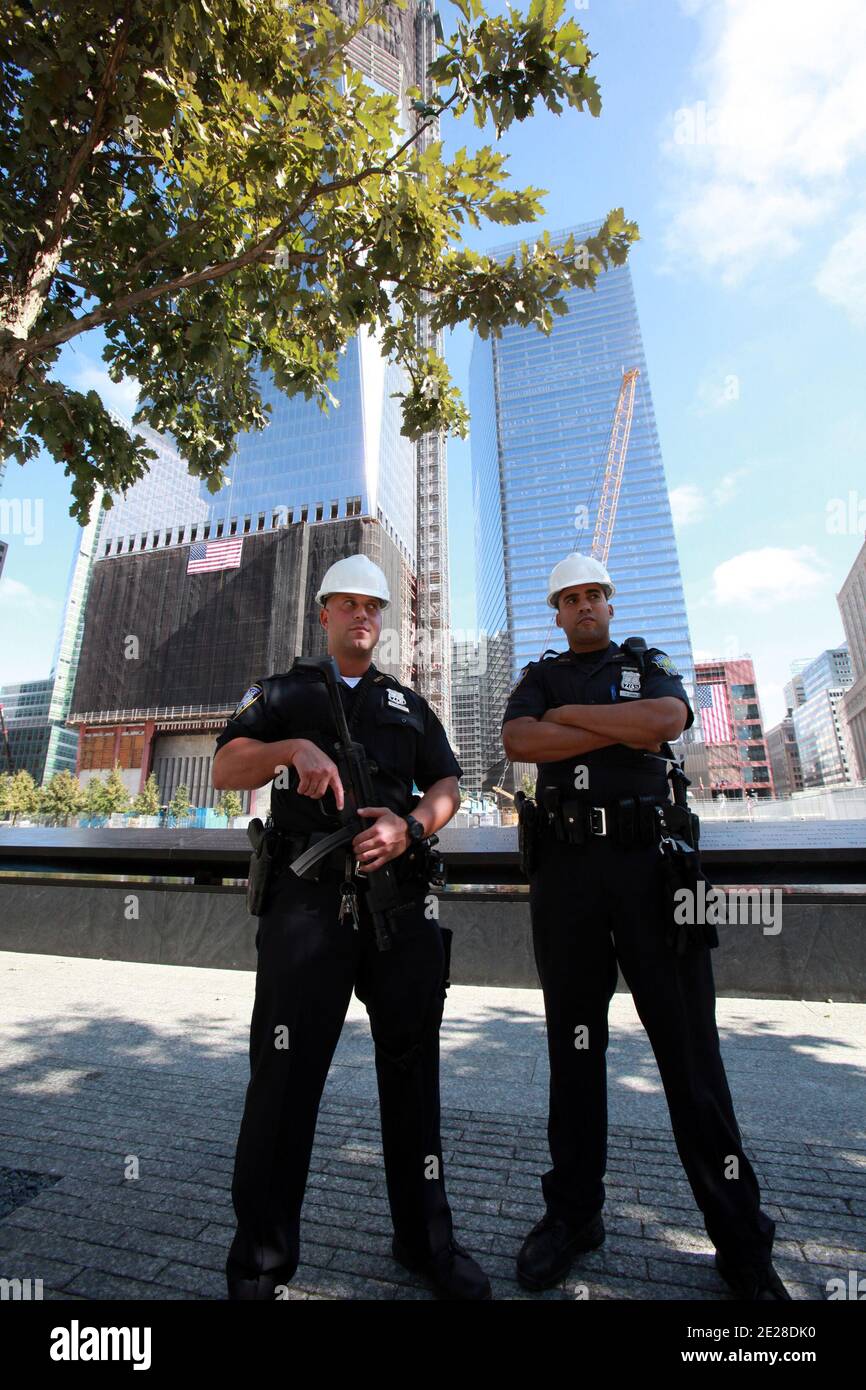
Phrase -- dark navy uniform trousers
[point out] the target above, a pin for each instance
(593, 905)
(308, 964)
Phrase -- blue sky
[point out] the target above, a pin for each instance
(734, 133)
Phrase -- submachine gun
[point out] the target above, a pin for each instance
(384, 896)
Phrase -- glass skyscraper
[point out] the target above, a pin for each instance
(303, 466)
(35, 711)
(353, 461)
(542, 407)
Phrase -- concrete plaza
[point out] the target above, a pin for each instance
(102, 1060)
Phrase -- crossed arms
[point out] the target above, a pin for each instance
(569, 730)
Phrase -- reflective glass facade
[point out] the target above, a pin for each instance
(542, 409)
(63, 742)
(167, 498)
(303, 465)
(826, 756)
(353, 459)
(829, 670)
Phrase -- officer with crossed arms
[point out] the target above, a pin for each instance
(593, 722)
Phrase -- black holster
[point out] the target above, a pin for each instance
(434, 863)
(264, 842)
(682, 870)
(527, 832)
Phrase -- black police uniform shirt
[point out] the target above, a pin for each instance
(400, 732)
(598, 678)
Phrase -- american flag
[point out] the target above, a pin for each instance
(214, 555)
(713, 708)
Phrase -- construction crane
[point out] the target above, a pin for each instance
(616, 452)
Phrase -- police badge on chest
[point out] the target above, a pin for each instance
(629, 683)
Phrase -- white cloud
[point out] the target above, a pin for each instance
(688, 504)
(729, 649)
(842, 277)
(764, 578)
(120, 396)
(17, 597)
(764, 147)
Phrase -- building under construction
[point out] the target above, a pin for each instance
(167, 654)
(167, 650)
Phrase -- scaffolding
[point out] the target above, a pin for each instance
(432, 673)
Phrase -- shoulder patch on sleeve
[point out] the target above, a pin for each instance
(664, 663)
(254, 693)
(521, 678)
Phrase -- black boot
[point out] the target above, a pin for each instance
(257, 1286)
(451, 1273)
(750, 1283)
(549, 1250)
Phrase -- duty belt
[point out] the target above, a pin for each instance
(633, 820)
(341, 862)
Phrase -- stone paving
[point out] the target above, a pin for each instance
(103, 1060)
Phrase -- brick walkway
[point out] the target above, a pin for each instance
(105, 1059)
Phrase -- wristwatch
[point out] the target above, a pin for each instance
(416, 829)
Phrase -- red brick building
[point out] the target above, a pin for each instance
(737, 759)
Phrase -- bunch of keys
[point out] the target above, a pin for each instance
(348, 900)
(348, 904)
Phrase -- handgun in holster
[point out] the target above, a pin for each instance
(551, 801)
(680, 848)
(264, 841)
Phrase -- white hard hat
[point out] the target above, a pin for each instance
(356, 574)
(577, 569)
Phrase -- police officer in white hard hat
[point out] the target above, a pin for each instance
(316, 943)
(593, 718)
(356, 574)
(575, 570)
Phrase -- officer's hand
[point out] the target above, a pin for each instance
(316, 772)
(383, 841)
(646, 747)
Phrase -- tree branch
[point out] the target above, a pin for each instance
(118, 307)
(93, 137)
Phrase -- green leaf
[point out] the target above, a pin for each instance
(243, 119)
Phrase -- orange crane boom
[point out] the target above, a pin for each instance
(616, 452)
